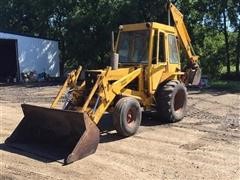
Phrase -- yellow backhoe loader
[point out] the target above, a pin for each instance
(145, 74)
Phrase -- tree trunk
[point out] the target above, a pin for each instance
(226, 41)
(63, 56)
(238, 52)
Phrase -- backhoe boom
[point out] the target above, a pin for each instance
(183, 33)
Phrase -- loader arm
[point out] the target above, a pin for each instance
(107, 92)
(70, 82)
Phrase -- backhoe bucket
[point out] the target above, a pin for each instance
(193, 76)
(72, 135)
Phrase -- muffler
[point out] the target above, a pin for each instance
(71, 134)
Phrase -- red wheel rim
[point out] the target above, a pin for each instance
(179, 100)
(131, 117)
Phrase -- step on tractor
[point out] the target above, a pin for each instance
(145, 75)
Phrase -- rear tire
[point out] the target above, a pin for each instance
(171, 101)
(127, 116)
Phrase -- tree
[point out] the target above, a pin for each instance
(234, 14)
(83, 28)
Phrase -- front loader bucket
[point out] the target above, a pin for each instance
(67, 131)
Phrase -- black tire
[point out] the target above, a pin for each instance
(171, 101)
(127, 116)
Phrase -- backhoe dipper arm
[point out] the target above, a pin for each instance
(182, 32)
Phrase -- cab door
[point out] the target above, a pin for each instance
(173, 57)
(159, 64)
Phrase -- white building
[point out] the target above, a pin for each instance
(22, 54)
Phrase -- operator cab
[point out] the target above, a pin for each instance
(147, 43)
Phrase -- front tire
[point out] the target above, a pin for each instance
(171, 101)
(127, 116)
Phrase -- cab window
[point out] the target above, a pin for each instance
(161, 47)
(173, 49)
(133, 46)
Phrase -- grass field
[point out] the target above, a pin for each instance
(225, 85)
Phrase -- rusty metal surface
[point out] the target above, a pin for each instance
(88, 142)
(197, 77)
(71, 132)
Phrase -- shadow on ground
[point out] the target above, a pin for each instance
(33, 84)
(211, 91)
(48, 154)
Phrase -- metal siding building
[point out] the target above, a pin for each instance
(20, 54)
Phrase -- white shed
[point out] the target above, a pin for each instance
(21, 54)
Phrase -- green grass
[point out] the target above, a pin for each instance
(224, 69)
(225, 85)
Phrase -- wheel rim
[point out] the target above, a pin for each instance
(179, 101)
(131, 116)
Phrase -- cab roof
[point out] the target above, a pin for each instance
(148, 25)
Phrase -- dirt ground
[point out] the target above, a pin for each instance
(205, 145)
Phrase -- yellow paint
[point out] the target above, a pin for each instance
(143, 78)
